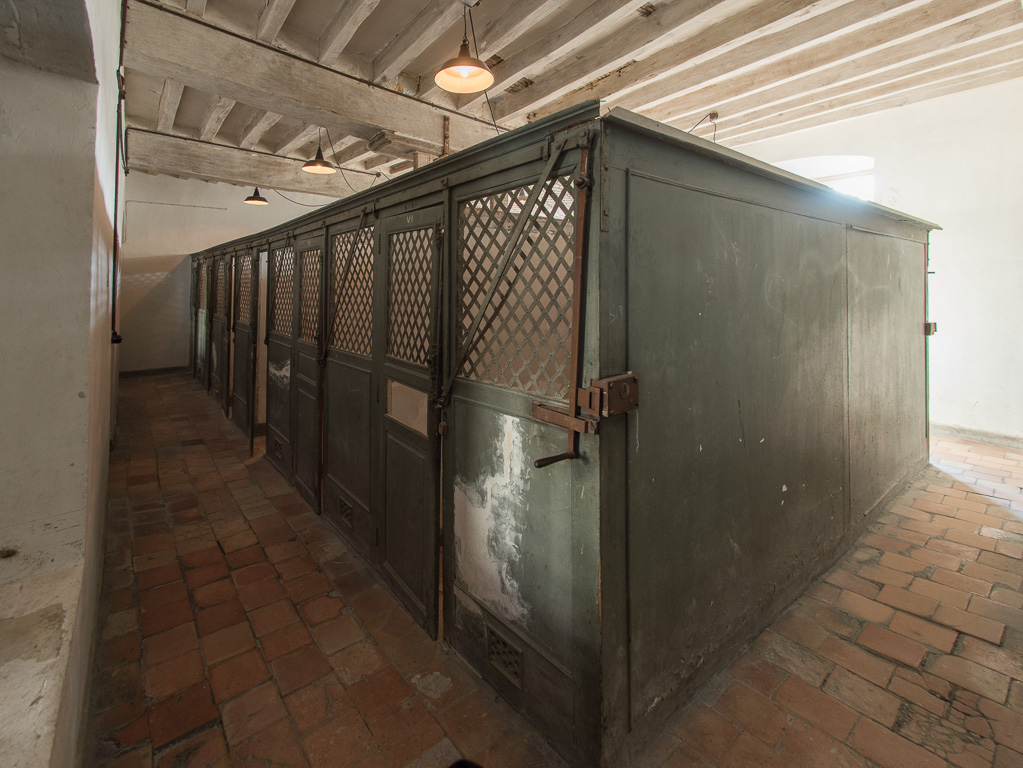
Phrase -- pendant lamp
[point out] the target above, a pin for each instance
(255, 198)
(465, 73)
(318, 164)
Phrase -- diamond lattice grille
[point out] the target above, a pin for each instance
(281, 312)
(243, 304)
(523, 339)
(408, 295)
(309, 299)
(220, 293)
(352, 302)
(204, 272)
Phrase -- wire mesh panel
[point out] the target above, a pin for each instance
(204, 279)
(408, 295)
(352, 292)
(309, 297)
(243, 302)
(281, 311)
(220, 290)
(523, 339)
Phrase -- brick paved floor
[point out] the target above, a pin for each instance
(238, 630)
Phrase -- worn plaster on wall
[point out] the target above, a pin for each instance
(488, 531)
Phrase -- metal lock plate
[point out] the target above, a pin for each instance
(610, 396)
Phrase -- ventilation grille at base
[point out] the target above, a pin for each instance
(504, 657)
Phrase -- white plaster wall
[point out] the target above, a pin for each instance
(956, 161)
(47, 143)
(165, 220)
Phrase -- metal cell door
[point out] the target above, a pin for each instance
(306, 388)
(280, 343)
(407, 466)
(220, 342)
(245, 312)
(349, 384)
(202, 323)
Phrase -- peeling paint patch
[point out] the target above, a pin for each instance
(280, 374)
(487, 533)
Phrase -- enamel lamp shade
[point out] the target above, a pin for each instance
(464, 73)
(318, 164)
(255, 198)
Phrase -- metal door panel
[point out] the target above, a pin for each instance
(306, 436)
(243, 391)
(219, 363)
(279, 353)
(349, 385)
(202, 323)
(408, 473)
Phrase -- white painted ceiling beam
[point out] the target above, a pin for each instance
(272, 18)
(415, 37)
(260, 123)
(299, 136)
(720, 27)
(170, 98)
(967, 82)
(176, 156)
(215, 116)
(346, 22)
(731, 98)
(591, 24)
(826, 35)
(166, 43)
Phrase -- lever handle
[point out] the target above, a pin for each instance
(548, 460)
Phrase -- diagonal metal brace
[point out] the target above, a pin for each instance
(344, 278)
(529, 213)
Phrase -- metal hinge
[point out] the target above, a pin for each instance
(930, 329)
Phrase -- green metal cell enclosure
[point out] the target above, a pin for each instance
(610, 394)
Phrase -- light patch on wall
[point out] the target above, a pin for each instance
(487, 533)
(848, 174)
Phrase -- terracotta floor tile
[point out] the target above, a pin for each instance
(261, 593)
(285, 640)
(209, 555)
(238, 674)
(181, 713)
(204, 750)
(317, 702)
(308, 586)
(121, 649)
(295, 567)
(217, 617)
(174, 675)
(205, 574)
(380, 693)
(340, 742)
(473, 723)
(252, 712)
(166, 617)
(272, 617)
(276, 745)
(406, 732)
(357, 661)
(299, 668)
(225, 643)
(156, 576)
(338, 634)
(253, 574)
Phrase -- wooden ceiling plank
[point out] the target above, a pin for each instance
(170, 98)
(299, 136)
(220, 107)
(831, 36)
(272, 18)
(840, 99)
(342, 28)
(354, 153)
(215, 162)
(592, 23)
(260, 123)
(163, 42)
(904, 99)
(971, 37)
(435, 19)
(663, 28)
